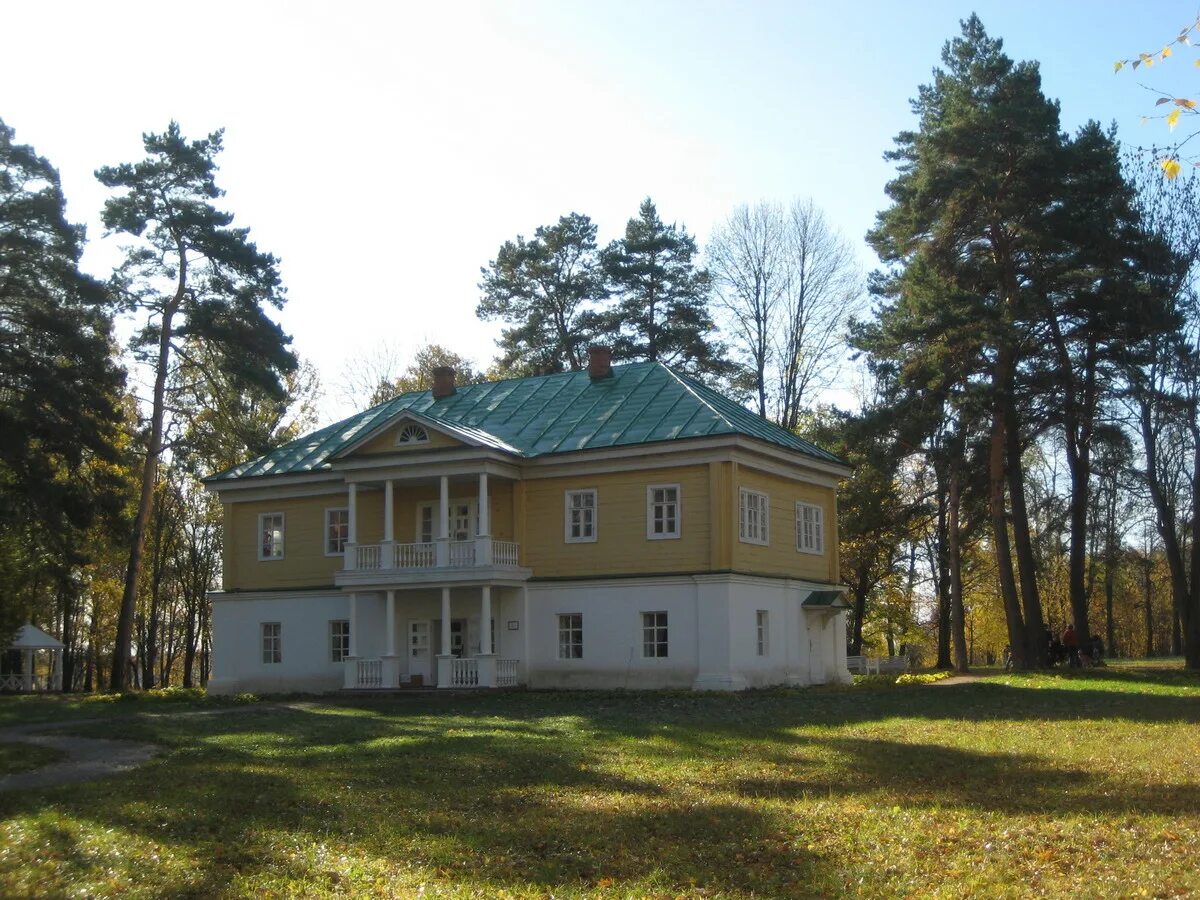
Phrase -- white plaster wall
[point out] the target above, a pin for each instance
(612, 634)
(712, 624)
(304, 628)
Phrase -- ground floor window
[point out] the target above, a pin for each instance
(272, 643)
(764, 634)
(339, 639)
(654, 634)
(570, 636)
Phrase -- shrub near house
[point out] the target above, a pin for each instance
(623, 526)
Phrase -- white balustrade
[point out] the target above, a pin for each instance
(369, 673)
(462, 553)
(464, 672)
(416, 556)
(506, 673)
(504, 553)
(367, 556)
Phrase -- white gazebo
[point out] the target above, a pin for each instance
(30, 642)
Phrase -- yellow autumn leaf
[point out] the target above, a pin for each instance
(1170, 168)
(1173, 118)
(1166, 51)
(1185, 102)
(1120, 64)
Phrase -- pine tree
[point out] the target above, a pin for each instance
(543, 289)
(194, 278)
(661, 309)
(60, 391)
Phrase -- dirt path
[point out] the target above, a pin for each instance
(87, 758)
(956, 679)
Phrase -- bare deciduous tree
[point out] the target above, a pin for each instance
(786, 283)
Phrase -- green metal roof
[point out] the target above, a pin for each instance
(827, 599)
(641, 403)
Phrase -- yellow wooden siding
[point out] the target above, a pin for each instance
(386, 442)
(621, 546)
(780, 556)
(304, 562)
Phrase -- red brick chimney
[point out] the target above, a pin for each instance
(443, 382)
(599, 361)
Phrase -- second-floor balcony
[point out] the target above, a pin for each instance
(429, 560)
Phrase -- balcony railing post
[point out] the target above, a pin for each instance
(350, 556)
(483, 551)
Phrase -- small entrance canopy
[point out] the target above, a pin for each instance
(30, 642)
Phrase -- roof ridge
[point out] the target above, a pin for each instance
(689, 385)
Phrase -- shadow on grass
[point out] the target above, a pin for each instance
(492, 808)
(532, 791)
(934, 775)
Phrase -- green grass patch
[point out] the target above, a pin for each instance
(1014, 785)
(23, 757)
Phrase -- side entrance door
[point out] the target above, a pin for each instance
(420, 660)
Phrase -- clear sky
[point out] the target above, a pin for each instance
(385, 150)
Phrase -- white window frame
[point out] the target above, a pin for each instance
(412, 428)
(282, 536)
(336, 509)
(650, 634)
(650, 508)
(567, 510)
(435, 515)
(570, 635)
(762, 502)
(762, 630)
(815, 546)
(275, 645)
(339, 644)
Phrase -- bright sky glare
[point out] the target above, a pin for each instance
(385, 150)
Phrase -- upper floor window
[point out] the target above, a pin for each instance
(810, 535)
(662, 511)
(339, 639)
(272, 643)
(654, 634)
(270, 536)
(412, 434)
(754, 515)
(337, 531)
(580, 523)
(570, 636)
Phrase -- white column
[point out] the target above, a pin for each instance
(484, 513)
(443, 536)
(391, 621)
(58, 670)
(27, 669)
(446, 621)
(353, 623)
(386, 551)
(485, 621)
(483, 541)
(350, 551)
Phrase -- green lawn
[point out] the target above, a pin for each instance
(1015, 785)
(22, 757)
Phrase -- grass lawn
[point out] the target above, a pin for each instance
(22, 757)
(1081, 783)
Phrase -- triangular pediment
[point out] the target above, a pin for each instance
(406, 432)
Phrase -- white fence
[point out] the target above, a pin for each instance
(504, 553)
(506, 673)
(464, 672)
(462, 553)
(369, 673)
(416, 556)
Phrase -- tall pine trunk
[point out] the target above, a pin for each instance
(942, 571)
(957, 613)
(997, 507)
(119, 679)
(1035, 626)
